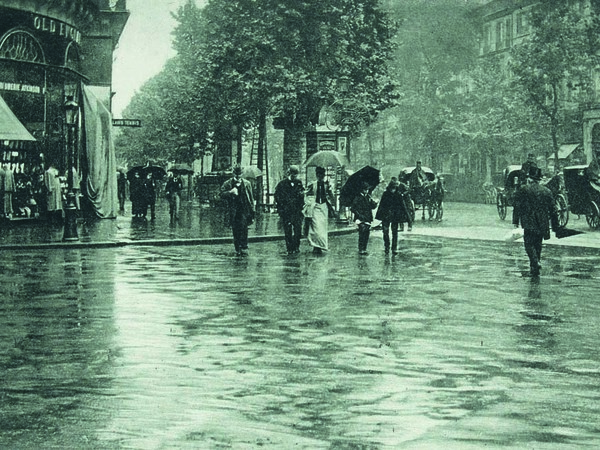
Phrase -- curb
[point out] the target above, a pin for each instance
(153, 242)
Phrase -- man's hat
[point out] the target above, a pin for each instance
(320, 170)
(294, 169)
(237, 170)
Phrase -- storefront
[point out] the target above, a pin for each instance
(50, 52)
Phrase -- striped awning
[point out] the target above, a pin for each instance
(11, 128)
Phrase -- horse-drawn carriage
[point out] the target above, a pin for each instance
(583, 190)
(514, 178)
(425, 194)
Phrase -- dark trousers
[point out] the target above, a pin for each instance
(533, 247)
(239, 227)
(386, 234)
(292, 229)
(364, 230)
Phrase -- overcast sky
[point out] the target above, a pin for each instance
(144, 47)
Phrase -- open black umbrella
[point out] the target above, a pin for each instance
(354, 184)
(181, 169)
(158, 173)
(563, 232)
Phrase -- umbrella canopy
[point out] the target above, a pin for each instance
(326, 158)
(354, 184)
(158, 173)
(251, 172)
(566, 232)
(181, 169)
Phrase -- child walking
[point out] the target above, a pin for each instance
(362, 208)
(393, 213)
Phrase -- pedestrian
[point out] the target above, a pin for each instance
(150, 196)
(173, 190)
(289, 199)
(362, 208)
(535, 211)
(317, 205)
(136, 195)
(393, 213)
(53, 192)
(240, 209)
(121, 190)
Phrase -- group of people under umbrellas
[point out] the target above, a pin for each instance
(143, 191)
(313, 206)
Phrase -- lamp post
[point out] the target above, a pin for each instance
(71, 115)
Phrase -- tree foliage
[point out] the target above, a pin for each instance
(555, 64)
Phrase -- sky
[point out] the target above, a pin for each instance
(143, 48)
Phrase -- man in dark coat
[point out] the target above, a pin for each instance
(289, 198)
(362, 208)
(393, 213)
(240, 209)
(535, 211)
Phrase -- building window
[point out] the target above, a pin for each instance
(21, 46)
(73, 57)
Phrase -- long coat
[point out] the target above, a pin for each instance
(242, 208)
(362, 207)
(289, 197)
(392, 208)
(535, 209)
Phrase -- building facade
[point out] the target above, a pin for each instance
(505, 24)
(51, 50)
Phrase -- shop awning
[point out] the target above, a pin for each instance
(11, 129)
(566, 149)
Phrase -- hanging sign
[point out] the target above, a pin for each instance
(127, 123)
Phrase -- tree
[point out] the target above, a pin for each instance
(555, 65)
(289, 58)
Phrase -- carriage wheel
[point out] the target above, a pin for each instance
(501, 205)
(593, 218)
(563, 210)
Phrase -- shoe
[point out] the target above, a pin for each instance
(362, 252)
(394, 252)
(244, 252)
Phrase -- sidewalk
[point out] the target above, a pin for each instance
(203, 224)
(197, 225)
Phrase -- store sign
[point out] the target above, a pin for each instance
(56, 27)
(20, 87)
(127, 123)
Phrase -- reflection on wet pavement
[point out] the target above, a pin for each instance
(445, 345)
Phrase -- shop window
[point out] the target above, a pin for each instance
(21, 46)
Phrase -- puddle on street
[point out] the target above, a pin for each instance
(445, 345)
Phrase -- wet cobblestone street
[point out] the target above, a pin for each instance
(446, 345)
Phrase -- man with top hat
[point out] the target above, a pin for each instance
(535, 210)
(289, 198)
(240, 209)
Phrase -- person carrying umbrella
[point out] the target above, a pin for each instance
(289, 198)
(318, 202)
(393, 213)
(240, 209)
(362, 208)
(136, 195)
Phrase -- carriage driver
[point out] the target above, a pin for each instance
(417, 176)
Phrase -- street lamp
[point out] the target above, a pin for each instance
(71, 115)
